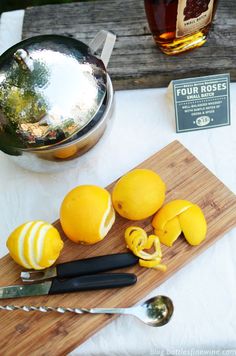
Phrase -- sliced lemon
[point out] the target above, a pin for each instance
(180, 216)
(87, 214)
(193, 225)
(168, 212)
(170, 233)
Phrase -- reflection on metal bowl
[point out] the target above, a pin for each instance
(63, 156)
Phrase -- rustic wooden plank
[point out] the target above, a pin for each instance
(136, 62)
(53, 334)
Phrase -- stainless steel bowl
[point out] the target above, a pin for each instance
(66, 155)
(51, 87)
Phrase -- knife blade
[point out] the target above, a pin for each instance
(82, 267)
(57, 286)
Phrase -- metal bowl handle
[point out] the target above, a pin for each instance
(107, 39)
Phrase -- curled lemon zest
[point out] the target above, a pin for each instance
(137, 241)
(153, 264)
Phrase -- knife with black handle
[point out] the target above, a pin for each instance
(82, 267)
(77, 284)
(92, 282)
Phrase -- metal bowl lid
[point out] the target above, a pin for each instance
(51, 87)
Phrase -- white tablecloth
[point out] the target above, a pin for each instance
(204, 292)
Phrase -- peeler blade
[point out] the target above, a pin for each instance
(35, 276)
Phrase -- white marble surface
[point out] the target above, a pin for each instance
(204, 291)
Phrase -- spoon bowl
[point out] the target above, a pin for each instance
(156, 311)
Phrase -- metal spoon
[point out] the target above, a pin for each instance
(156, 311)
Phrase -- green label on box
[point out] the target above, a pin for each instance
(202, 102)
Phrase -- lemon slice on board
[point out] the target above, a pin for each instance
(180, 216)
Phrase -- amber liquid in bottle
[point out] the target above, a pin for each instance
(179, 25)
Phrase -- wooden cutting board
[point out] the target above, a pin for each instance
(54, 334)
(136, 62)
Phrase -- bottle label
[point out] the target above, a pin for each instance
(192, 16)
(202, 102)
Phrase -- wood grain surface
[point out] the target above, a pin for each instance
(136, 62)
(37, 333)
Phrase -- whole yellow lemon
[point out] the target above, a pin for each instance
(138, 194)
(35, 245)
(87, 214)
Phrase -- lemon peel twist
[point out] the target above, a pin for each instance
(137, 241)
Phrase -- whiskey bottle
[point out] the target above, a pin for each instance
(179, 25)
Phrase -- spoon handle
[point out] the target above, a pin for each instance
(62, 310)
(109, 310)
(43, 309)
